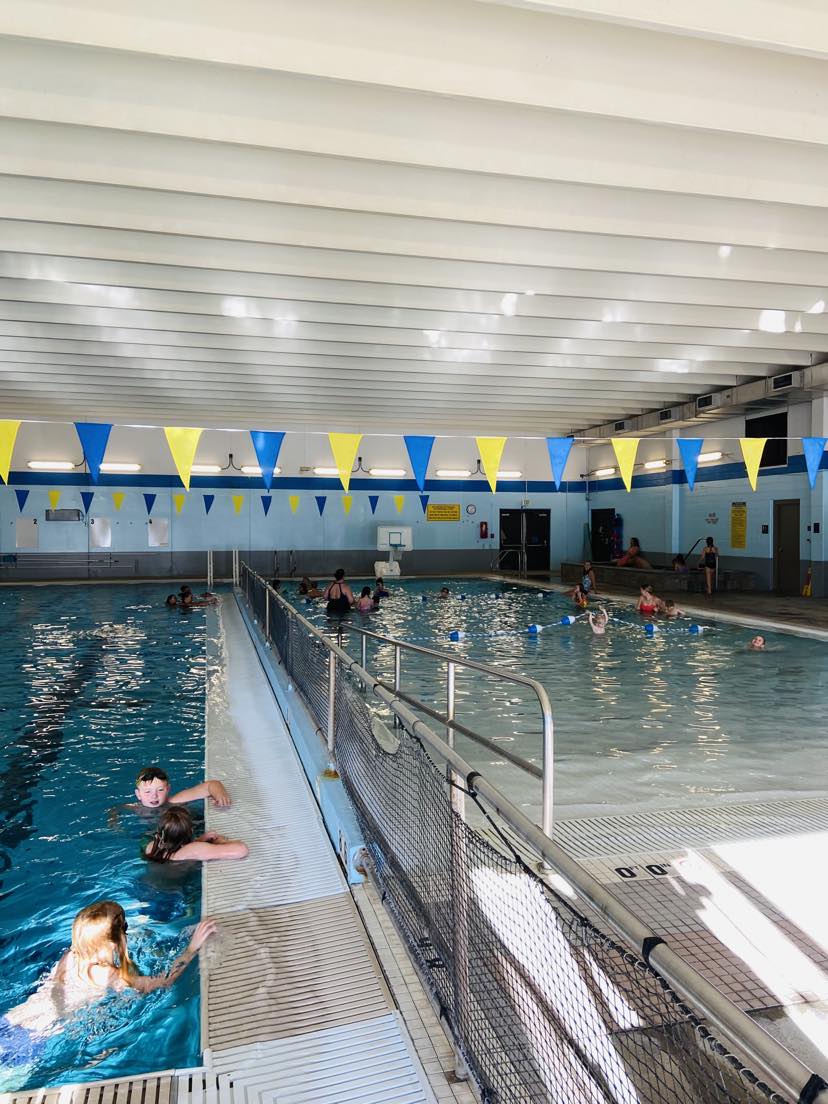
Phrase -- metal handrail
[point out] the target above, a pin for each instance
(781, 1068)
(545, 774)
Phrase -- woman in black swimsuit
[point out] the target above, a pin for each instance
(338, 595)
(708, 560)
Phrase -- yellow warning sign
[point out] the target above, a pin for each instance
(443, 511)
(738, 525)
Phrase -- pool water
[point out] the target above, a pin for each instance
(96, 682)
(672, 720)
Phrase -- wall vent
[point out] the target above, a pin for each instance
(703, 402)
(620, 427)
(665, 415)
(781, 383)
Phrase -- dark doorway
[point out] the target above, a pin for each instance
(602, 523)
(786, 571)
(524, 540)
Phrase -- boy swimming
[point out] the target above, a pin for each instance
(598, 621)
(152, 788)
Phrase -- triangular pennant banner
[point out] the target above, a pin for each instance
(209, 499)
(752, 449)
(93, 437)
(813, 447)
(183, 443)
(559, 449)
(118, 499)
(424, 502)
(344, 448)
(178, 501)
(419, 453)
(347, 503)
(21, 499)
(54, 499)
(149, 502)
(238, 502)
(625, 449)
(372, 502)
(399, 502)
(689, 449)
(320, 503)
(293, 500)
(491, 450)
(266, 503)
(267, 446)
(8, 435)
(86, 499)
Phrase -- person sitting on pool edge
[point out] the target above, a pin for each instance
(152, 788)
(174, 840)
(633, 557)
(96, 963)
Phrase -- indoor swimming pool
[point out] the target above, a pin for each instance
(673, 719)
(96, 682)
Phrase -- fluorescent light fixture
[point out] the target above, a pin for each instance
(326, 471)
(772, 321)
(118, 466)
(651, 465)
(724, 251)
(254, 469)
(604, 471)
(205, 469)
(453, 473)
(509, 474)
(508, 304)
(387, 471)
(818, 307)
(709, 457)
(51, 465)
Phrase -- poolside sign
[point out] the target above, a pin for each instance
(443, 511)
(738, 525)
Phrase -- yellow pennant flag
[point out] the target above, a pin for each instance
(183, 443)
(294, 503)
(54, 499)
(625, 449)
(347, 503)
(399, 501)
(178, 499)
(238, 502)
(491, 450)
(344, 448)
(118, 499)
(8, 435)
(752, 449)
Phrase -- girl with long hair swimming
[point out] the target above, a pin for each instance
(174, 841)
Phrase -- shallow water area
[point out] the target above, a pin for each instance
(673, 718)
(95, 683)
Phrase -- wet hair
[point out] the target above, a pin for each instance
(669, 603)
(366, 592)
(709, 542)
(99, 939)
(646, 586)
(635, 541)
(339, 573)
(185, 590)
(446, 589)
(174, 831)
(380, 583)
(171, 600)
(150, 774)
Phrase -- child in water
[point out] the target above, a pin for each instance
(757, 644)
(97, 963)
(174, 841)
(444, 592)
(598, 621)
(580, 597)
(152, 788)
(672, 610)
(365, 603)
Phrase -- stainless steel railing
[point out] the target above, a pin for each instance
(751, 1042)
(546, 774)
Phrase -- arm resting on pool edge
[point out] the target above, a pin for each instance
(212, 788)
(204, 850)
(202, 933)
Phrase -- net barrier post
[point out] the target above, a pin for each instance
(397, 676)
(267, 615)
(209, 569)
(331, 729)
(459, 870)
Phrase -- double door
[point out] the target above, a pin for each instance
(524, 540)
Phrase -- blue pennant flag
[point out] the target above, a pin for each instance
(419, 453)
(689, 449)
(559, 450)
(93, 438)
(424, 502)
(86, 499)
(372, 502)
(266, 501)
(208, 502)
(813, 447)
(149, 500)
(320, 503)
(267, 446)
(21, 499)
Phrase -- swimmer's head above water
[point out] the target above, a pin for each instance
(757, 644)
(152, 787)
(171, 601)
(99, 936)
(175, 830)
